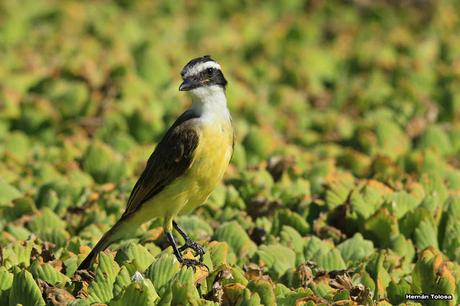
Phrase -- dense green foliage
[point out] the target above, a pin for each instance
(344, 186)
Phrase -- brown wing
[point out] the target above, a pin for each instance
(172, 156)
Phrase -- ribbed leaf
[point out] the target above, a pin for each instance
(121, 281)
(276, 257)
(162, 270)
(314, 245)
(183, 288)
(355, 249)
(25, 291)
(426, 235)
(290, 238)
(6, 281)
(339, 189)
(330, 260)
(381, 226)
(138, 256)
(366, 201)
(286, 217)
(432, 274)
(7, 193)
(140, 292)
(265, 290)
(101, 288)
(451, 241)
(17, 253)
(237, 238)
(46, 221)
(218, 252)
(401, 202)
(47, 273)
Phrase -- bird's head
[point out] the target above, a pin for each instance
(202, 74)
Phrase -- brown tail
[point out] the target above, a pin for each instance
(112, 235)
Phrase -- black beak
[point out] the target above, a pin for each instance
(188, 84)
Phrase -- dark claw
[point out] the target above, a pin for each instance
(185, 261)
(193, 263)
(190, 244)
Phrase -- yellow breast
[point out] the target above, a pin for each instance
(210, 161)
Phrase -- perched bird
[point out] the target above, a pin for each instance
(187, 164)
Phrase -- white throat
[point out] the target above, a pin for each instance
(210, 102)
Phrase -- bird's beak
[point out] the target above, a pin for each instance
(188, 84)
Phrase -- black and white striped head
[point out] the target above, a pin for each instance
(202, 72)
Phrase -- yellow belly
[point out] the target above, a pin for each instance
(193, 188)
(209, 165)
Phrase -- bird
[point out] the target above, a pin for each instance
(185, 166)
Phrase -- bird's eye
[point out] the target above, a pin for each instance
(209, 71)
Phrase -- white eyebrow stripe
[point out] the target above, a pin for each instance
(200, 67)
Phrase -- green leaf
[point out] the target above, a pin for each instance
(286, 217)
(292, 297)
(6, 281)
(366, 201)
(314, 245)
(101, 289)
(25, 291)
(426, 234)
(397, 292)
(7, 193)
(162, 270)
(121, 281)
(257, 144)
(103, 163)
(403, 247)
(355, 249)
(46, 221)
(17, 253)
(401, 202)
(391, 140)
(195, 227)
(451, 230)
(290, 238)
(237, 238)
(250, 299)
(330, 260)
(432, 274)
(411, 221)
(381, 226)
(218, 252)
(435, 138)
(265, 290)
(140, 292)
(183, 288)
(339, 189)
(47, 273)
(276, 257)
(137, 255)
(380, 275)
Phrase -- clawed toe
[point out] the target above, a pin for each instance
(190, 244)
(193, 263)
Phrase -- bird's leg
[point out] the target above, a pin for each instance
(177, 253)
(189, 243)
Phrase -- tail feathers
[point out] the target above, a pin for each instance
(112, 235)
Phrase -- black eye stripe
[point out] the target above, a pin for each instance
(208, 71)
(207, 76)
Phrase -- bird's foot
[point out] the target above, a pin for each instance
(192, 263)
(190, 244)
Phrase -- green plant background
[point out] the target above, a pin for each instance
(344, 187)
